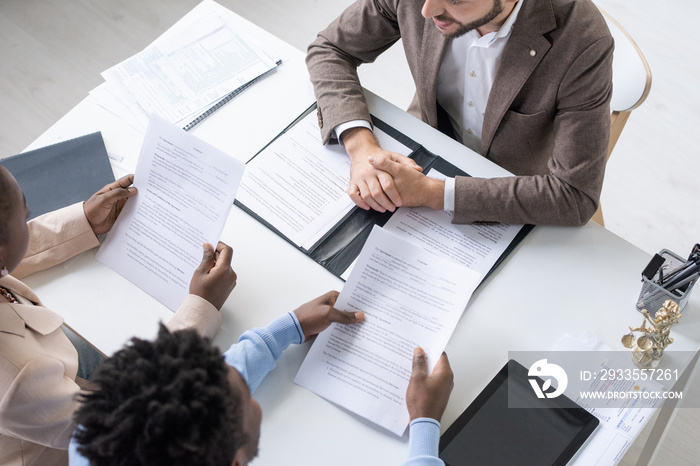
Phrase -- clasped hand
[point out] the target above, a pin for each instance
(384, 180)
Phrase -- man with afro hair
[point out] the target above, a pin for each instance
(177, 400)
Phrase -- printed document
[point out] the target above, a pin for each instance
(186, 188)
(619, 427)
(299, 185)
(410, 298)
(474, 246)
(185, 72)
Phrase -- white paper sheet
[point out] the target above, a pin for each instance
(179, 78)
(410, 298)
(299, 186)
(476, 247)
(186, 188)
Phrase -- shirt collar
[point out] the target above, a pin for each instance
(505, 29)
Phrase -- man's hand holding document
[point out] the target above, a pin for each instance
(186, 189)
(410, 298)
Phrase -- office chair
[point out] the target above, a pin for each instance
(631, 85)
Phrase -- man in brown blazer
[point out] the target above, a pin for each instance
(542, 84)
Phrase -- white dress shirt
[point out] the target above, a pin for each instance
(466, 76)
(464, 84)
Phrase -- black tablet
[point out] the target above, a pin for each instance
(488, 432)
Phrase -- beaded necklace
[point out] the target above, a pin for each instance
(7, 295)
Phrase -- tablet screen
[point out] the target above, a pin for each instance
(488, 432)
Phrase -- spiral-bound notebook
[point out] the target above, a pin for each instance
(227, 98)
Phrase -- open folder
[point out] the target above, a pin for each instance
(296, 186)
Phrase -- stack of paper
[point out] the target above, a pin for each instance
(199, 61)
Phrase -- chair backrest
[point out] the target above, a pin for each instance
(631, 77)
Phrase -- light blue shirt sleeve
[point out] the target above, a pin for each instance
(75, 458)
(258, 349)
(423, 443)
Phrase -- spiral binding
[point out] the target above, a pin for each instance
(227, 98)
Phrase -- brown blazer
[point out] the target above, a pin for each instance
(38, 364)
(547, 119)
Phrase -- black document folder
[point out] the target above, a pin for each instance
(341, 245)
(62, 174)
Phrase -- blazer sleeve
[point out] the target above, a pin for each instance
(38, 403)
(569, 192)
(56, 237)
(359, 35)
(196, 313)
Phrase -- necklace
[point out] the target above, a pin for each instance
(7, 295)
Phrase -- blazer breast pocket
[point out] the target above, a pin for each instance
(523, 143)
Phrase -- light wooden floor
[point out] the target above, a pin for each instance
(52, 53)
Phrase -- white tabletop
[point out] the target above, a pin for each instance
(558, 281)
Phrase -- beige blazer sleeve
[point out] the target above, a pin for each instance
(64, 233)
(56, 237)
(196, 313)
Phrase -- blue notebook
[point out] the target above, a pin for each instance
(61, 174)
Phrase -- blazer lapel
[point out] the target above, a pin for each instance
(525, 49)
(10, 321)
(433, 47)
(16, 286)
(38, 318)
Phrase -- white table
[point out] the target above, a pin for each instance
(559, 280)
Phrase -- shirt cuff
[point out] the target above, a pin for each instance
(449, 195)
(338, 130)
(282, 332)
(424, 437)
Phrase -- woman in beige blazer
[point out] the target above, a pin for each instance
(38, 363)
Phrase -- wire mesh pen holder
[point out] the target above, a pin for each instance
(653, 296)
